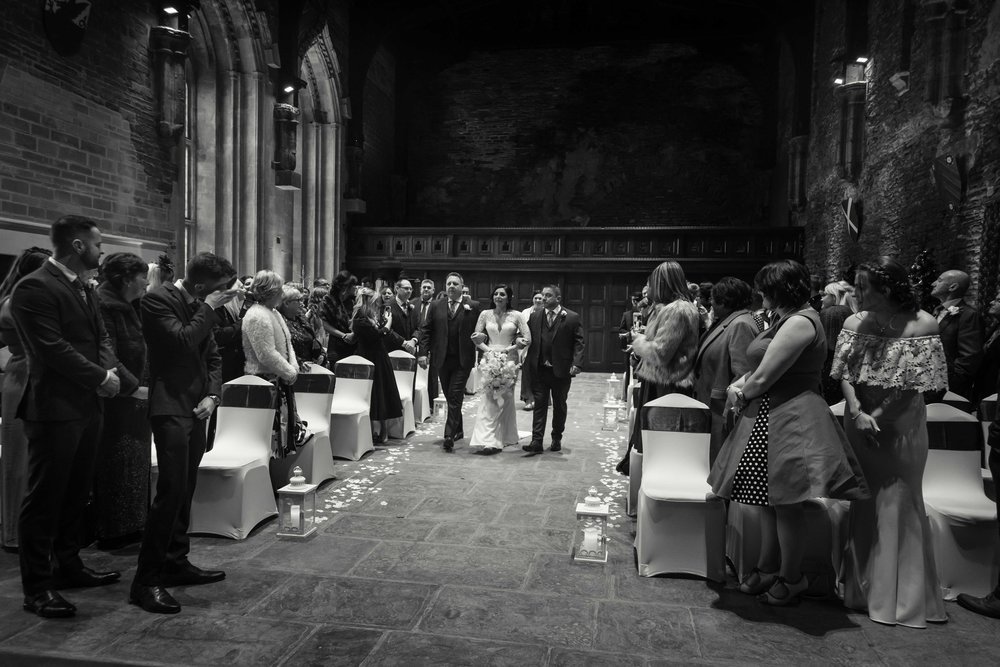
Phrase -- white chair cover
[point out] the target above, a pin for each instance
(421, 396)
(350, 422)
(313, 397)
(987, 413)
(681, 526)
(635, 458)
(404, 368)
(233, 492)
(956, 401)
(963, 520)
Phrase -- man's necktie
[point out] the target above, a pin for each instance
(939, 313)
(453, 306)
(80, 289)
(423, 311)
(551, 317)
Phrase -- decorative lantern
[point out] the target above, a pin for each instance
(297, 503)
(440, 409)
(591, 541)
(610, 420)
(614, 389)
(622, 412)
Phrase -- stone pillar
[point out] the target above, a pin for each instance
(248, 173)
(169, 47)
(226, 198)
(308, 252)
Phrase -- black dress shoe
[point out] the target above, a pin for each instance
(84, 578)
(154, 599)
(490, 451)
(49, 604)
(556, 446)
(458, 436)
(985, 606)
(534, 448)
(449, 444)
(191, 575)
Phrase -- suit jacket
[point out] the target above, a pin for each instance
(567, 341)
(433, 336)
(67, 347)
(184, 362)
(401, 328)
(989, 369)
(962, 338)
(722, 357)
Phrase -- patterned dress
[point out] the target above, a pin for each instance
(889, 564)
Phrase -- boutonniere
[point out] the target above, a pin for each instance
(91, 283)
(562, 315)
(952, 310)
(466, 306)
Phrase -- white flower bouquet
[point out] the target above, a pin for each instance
(497, 373)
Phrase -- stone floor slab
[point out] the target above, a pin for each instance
(455, 533)
(455, 509)
(561, 657)
(242, 588)
(522, 514)
(454, 564)
(333, 646)
(405, 650)
(343, 600)
(527, 538)
(560, 575)
(652, 630)
(321, 554)
(90, 632)
(515, 617)
(380, 527)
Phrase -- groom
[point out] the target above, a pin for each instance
(554, 359)
(446, 333)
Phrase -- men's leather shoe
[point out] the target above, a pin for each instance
(84, 578)
(449, 444)
(986, 606)
(556, 446)
(154, 599)
(458, 436)
(534, 448)
(49, 604)
(191, 575)
(528, 406)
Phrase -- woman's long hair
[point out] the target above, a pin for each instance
(366, 304)
(28, 261)
(667, 283)
(892, 279)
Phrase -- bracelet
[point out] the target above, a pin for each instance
(855, 417)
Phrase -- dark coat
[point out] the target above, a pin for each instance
(184, 362)
(124, 331)
(962, 338)
(67, 347)
(567, 341)
(403, 323)
(229, 340)
(433, 336)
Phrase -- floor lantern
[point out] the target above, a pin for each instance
(440, 409)
(609, 421)
(297, 500)
(591, 541)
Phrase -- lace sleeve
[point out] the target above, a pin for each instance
(905, 363)
(522, 327)
(481, 322)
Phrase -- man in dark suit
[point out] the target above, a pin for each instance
(71, 365)
(184, 386)
(404, 316)
(446, 335)
(961, 332)
(421, 305)
(555, 357)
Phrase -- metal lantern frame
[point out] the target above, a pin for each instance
(297, 508)
(591, 540)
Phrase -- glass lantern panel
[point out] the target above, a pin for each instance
(590, 541)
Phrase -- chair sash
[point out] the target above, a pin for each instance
(249, 396)
(314, 383)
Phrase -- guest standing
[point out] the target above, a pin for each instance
(887, 355)
(421, 307)
(722, 352)
(336, 313)
(185, 381)
(371, 337)
(312, 314)
(786, 446)
(837, 304)
(71, 367)
(305, 341)
(526, 394)
(229, 335)
(404, 317)
(989, 369)
(667, 349)
(121, 480)
(961, 332)
(14, 462)
(626, 328)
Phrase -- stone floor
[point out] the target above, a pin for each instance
(427, 558)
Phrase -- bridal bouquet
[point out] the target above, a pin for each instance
(497, 373)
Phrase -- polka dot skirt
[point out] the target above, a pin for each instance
(750, 482)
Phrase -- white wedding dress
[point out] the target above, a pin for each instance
(496, 423)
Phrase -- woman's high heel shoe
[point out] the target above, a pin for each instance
(784, 593)
(757, 581)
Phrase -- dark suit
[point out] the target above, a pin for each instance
(553, 352)
(447, 339)
(68, 352)
(403, 322)
(962, 338)
(419, 315)
(989, 369)
(722, 357)
(184, 368)
(229, 341)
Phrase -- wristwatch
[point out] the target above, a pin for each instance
(215, 399)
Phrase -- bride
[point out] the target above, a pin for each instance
(500, 333)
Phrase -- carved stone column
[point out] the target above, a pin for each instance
(169, 48)
(286, 123)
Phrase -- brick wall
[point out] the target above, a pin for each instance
(77, 133)
(904, 212)
(658, 135)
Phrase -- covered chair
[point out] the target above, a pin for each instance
(350, 422)
(681, 525)
(313, 397)
(421, 396)
(963, 520)
(987, 413)
(634, 457)
(233, 493)
(404, 369)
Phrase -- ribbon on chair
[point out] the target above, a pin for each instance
(678, 420)
(315, 383)
(952, 429)
(988, 408)
(404, 364)
(249, 396)
(354, 371)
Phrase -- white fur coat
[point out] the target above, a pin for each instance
(670, 344)
(267, 344)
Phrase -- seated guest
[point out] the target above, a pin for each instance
(336, 312)
(371, 335)
(667, 349)
(267, 344)
(722, 353)
(836, 306)
(786, 446)
(989, 369)
(304, 341)
(961, 332)
(121, 480)
(887, 355)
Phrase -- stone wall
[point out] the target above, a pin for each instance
(599, 136)
(904, 209)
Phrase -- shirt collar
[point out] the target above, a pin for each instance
(555, 311)
(70, 276)
(951, 302)
(179, 284)
(402, 304)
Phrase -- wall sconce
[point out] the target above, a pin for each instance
(591, 540)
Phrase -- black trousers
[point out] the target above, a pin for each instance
(453, 379)
(994, 464)
(543, 385)
(61, 458)
(180, 444)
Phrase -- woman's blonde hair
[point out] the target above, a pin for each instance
(266, 285)
(843, 293)
(366, 303)
(667, 283)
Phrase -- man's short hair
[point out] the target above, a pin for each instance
(207, 267)
(555, 289)
(457, 275)
(68, 228)
(399, 283)
(426, 281)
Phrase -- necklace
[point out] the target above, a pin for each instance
(883, 327)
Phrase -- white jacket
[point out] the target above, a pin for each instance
(267, 344)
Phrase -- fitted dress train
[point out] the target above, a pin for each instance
(496, 423)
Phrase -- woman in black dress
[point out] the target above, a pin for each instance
(370, 332)
(336, 313)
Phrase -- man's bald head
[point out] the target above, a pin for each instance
(951, 284)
